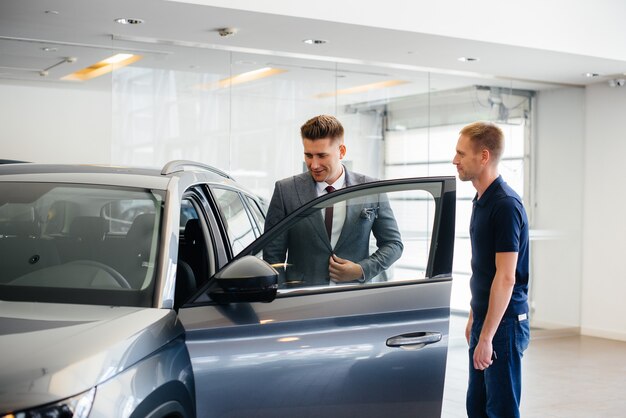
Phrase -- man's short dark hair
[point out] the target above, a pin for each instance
(320, 127)
(485, 135)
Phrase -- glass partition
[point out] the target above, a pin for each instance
(242, 112)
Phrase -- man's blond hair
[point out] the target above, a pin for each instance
(485, 135)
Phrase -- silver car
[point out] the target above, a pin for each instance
(143, 293)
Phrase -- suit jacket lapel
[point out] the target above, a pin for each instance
(305, 188)
(352, 213)
(349, 181)
(352, 221)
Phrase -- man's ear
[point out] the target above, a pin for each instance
(485, 156)
(342, 151)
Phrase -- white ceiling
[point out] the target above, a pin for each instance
(183, 36)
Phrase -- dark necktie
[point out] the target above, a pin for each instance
(328, 216)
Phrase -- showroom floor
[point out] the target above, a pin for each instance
(565, 376)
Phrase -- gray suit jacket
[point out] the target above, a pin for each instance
(306, 246)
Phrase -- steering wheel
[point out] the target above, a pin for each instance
(116, 275)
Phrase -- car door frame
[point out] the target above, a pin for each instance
(215, 332)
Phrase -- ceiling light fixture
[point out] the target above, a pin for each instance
(241, 78)
(591, 75)
(49, 49)
(363, 88)
(226, 32)
(129, 21)
(288, 339)
(46, 71)
(117, 58)
(468, 59)
(315, 41)
(102, 67)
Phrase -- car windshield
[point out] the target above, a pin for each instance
(73, 243)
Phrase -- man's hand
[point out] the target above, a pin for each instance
(483, 355)
(342, 270)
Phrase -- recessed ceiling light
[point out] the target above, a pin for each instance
(117, 58)
(468, 59)
(49, 49)
(362, 88)
(591, 75)
(315, 41)
(52, 12)
(129, 21)
(102, 67)
(288, 339)
(241, 78)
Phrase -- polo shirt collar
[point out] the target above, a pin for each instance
(490, 190)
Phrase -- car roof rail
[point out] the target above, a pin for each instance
(179, 165)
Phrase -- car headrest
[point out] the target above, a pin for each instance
(193, 232)
(58, 214)
(142, 227)
(88, 228)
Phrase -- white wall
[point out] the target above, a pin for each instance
(604, 224)
(558, 188)
(53, 125)
(578, 269)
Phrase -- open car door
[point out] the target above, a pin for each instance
(287, 342)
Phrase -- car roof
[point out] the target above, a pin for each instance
(152, 178)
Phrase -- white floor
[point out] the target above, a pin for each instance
(565, 376)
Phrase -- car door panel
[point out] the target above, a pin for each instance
(355, 350)
(286, 359)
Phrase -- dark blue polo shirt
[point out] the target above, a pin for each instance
(498, 224)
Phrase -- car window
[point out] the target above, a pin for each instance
(386, 236)
(99, 242)
(193, 263)
(120, 214)
(240, 228)
(257, 215)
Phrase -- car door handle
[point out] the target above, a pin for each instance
(414, 340)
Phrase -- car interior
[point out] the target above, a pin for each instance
(90, 238)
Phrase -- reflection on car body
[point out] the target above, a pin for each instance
(133, 292)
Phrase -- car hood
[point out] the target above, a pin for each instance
(49, 352)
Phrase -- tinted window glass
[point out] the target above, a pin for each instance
(256, 214)
(240, 229)
(388, 235)
(88, 239)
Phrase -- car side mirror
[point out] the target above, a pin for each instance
(248, 279)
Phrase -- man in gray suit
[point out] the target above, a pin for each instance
(333, 246)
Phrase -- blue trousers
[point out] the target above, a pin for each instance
(496, 391)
